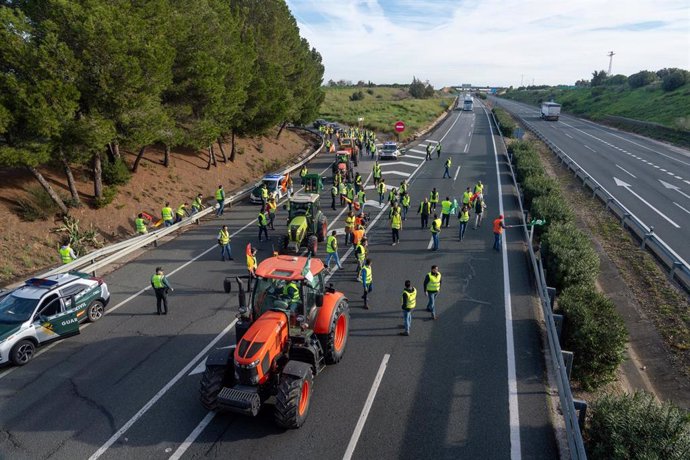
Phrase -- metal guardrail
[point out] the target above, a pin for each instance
(102, 257)
(571, 417)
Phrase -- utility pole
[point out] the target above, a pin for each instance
(610, 55)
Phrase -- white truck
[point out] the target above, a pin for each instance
(550, 111)
(468, 103)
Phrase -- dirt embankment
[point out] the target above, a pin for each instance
(27, 247)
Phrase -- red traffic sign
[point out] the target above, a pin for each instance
(400, 126)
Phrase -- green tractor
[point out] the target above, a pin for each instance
(344, 165)
(307, 225)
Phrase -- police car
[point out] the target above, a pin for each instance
(272, 182)
(47, 309)
(389, 150)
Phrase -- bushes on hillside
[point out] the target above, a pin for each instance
(505, 122)
(674, 80)
(569, 257)
(594, 332)
(357, 96)
(116, 173)
(637, 427)
(641, 78)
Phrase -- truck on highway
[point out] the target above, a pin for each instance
(550, 111)
(467, 103)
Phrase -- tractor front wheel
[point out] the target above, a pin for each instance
(312, 244)
(293, 400)
(334, 342)
(211, 384)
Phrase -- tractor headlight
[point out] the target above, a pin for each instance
(251, 365)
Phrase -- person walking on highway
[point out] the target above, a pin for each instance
(446, 172)
(381, 189)
(334, 195)
(393, 196)
(429, 149)
(358, 182)
(433, 198)
(361, 255)
(463, 218)
(271, 207)
(432, 286)
(262, 222)
(403, 187)
(396, 225)
(303, 174)
(332, 251)
(367, 279)
(405, 202)
(435, 232)
(409, 302)
(140, 224)
(167, 215)
(424, 211)
(361, 199)
(479, 207)
(479, 188)
(446, 205)
(220, 198)
(66, 252)
(349, 226)
(466, 197)
(224, 243)
(499, 225)
(251, 267)
(264, 195)
(350, 195)
(160, 286)
(438, 150)
(376, 172)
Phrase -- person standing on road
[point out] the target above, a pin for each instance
(409, 302)
(358, 182)
(396, 226)
(435, 232)
(432, 286)
(361, 199)
(332, 251)
(262, 222)
(349, 226)
(424, 211)
(405, 202)
(403, 187)
(271, 206)
(438, 150)
(220, 198)
(367, 282)
(67, 254)
(446, 205)
(498, 231)
(251, 267)
(381, 189)
(478, 210)
(429, 149)
(433, 198)
(350, 194)
(376, 172)
(167, 215)
(479, 188)
(264, 195)
(303, 173)
(446, 172)
(334, 195)
(463, 217)
(224, 243)
(361, 255)
(140, 224)
(393, 196)
(160, 286)
(466, 197)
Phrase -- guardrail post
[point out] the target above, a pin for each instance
(594, 191)
(608, 202)
(568, 361)
(581, 408)
(646, 236)
(676, 264)
(626, 215)
(552, 296)
(558, 322)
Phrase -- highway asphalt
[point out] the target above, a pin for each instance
(468, 385)
(650, 178)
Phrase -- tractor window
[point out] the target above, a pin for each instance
(311, 292)
(266, 293)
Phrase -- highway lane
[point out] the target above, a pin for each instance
(85, 389)
(650, 178)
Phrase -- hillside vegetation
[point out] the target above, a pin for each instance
(381, 107)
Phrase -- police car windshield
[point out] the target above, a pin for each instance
(15, 310)
(389, 148)
(271, 185)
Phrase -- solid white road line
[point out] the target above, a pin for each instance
(681, 207)
(160, 393)
(456, 174)
(588, 147)
(187, 443)
(396, 173)
(417, 151)
(432, 141)
(628, 187)
(416, 157)
(414, 165)
(367, 407)
(568, 135)
(513, 412)
(626, 172)
(466, 146)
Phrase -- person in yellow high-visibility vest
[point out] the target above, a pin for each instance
(409, 302)
(463, 218)
(367, 278)
(224, 243)
(435, 231)
(445, 211)
(396, 226)
(181, 212)
(262, 221)
(167, 215)
(140, 224)
(446, 172)
(160, 286)
(220, 198)
(432, 286)
(433, 198)
(332, 251)
(66, 252)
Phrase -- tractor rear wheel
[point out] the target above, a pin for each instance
(312, 244)
(322, 229)
(284, 243)
(334, 342)
(293, 400)
(211, 384)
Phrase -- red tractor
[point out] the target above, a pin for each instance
(292, 327)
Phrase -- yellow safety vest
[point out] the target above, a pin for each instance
(464, 216)
(262, 220)
(368, 276)
(196, 204)
(358, 180)
(445, 206)
(65, 255)
(396, 221)
(434, 197)
(331, 244)
(434, 284)
(436, 226)
(448, 163)
(466, 196)
(411, 301)
(219, 194)
(303, 172)
(377, 171)
(361, 197)
(360, 252)
(272, 207)
(224, 237)
(291, 286)
(141, 226)
(406, 201)
(167, 213)
(157, 281)
(264, 193)
(381, 187)
(181, 210)
(349, 221)
(478, 188)
(251, 262)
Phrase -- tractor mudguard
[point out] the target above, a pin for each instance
(326, 312)
(297, 369)
(220, 356)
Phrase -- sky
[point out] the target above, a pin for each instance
(493, 42)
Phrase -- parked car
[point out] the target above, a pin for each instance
(272, 182)
(319, 123)
(48, 309)
(389, 150)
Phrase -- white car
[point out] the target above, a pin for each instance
(272, 182)
(389, 150)
(47, 309)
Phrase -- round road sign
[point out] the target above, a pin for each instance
(400, 126)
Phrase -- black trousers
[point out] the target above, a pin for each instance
(161, 300)
(396, 234)
(263, 229)
(445, 219)
(425, 220)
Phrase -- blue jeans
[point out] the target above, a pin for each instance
(225, 249)
(463, 227)
(380, 198)
(404, 212)
(333, 255)
(221, 207)
(407, 320)
(497, 241)
(434, 236)
(446, 173)
(168, 223)
(431, 304)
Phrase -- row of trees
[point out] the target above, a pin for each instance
(670, 78)
(81, 79)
